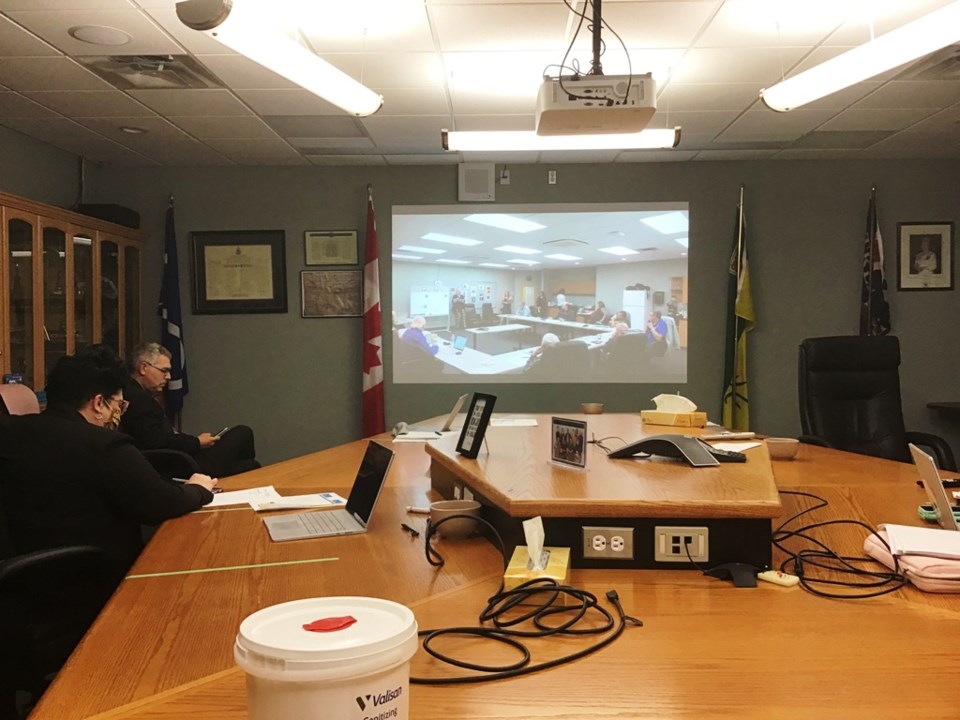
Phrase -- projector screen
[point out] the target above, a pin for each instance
(540, 293)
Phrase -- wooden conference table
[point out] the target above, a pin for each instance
(162, 648)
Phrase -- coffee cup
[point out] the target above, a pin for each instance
(460, 527)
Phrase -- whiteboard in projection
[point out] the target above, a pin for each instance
(429, 302)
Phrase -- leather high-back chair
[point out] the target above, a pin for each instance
(17, 399)
(567, 360)
(850, 399)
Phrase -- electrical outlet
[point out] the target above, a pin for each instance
(608, 543)
(671, 544)
(551, 177)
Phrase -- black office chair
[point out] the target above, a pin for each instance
(626, 356)
(567, 360)
(48, 599)
(850, 399)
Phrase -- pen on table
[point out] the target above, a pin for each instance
(413, 531)
(418, 510)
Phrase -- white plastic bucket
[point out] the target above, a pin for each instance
(359, 672)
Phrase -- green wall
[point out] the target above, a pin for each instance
(297, 382)
(35, 170)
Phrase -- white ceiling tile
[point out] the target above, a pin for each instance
(495, 122)
(391, 70)
(735, 154)
(145, 37)
(91, 104)
(654, 24)
(736, 65)
(879, 18)
(191, 102)
(16, 105)
(655, 155)
(398, 26)
(157, 130)
(384, 129)
(15, 41)
(873, 119)
(346, 159)
(501, 27)
(761, 23)
(945, 121)
(512, 158)
(239, 72)
(10, 5)
(816, 154)
(192, 40)
(578, 156)
(442, 158)
(416, 101)
(309, 145)
(706, 123)
(224, 127)
(315, 126)
(251, 146)
(48, 73)
(293, 101)
(702, 97)
(64, 133)
(189, 155)
(915, 94)
(766, 125)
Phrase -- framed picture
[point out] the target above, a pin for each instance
(330, 247)
(568, 442)
(239, 271)
(925, 256)
(478, 417)
(331, 293)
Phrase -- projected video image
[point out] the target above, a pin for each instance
(540, 293)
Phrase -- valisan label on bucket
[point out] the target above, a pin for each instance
(379, 700)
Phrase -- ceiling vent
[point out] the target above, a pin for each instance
(151, 72)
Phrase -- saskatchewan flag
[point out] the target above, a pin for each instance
(740, 321)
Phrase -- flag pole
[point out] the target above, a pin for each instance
(872, 221)
(736, 317)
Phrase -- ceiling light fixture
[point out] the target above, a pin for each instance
(905, 44)
(238, 25)
(519, 141)
(99, 35)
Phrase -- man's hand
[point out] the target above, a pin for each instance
(205, 480)
(207, 440)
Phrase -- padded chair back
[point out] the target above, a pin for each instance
(567, 360)
(17, 399)
(627, 355)
(850, 394)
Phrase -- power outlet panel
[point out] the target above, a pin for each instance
(607, 543)
(672, 543)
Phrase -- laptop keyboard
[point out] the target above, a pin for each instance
(324, 523)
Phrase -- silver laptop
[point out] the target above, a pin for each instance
(352, 519)
(933, 484)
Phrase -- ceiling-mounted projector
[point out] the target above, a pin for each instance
(595, 104)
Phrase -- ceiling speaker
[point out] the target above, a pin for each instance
(476, 182)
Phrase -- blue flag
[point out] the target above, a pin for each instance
(171, 326)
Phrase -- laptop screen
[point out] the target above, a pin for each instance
(930, 477)
(369, 482)
(460, 342)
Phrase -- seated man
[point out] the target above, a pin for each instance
(656, 334)
(549, 340)
(610, 346)
(228, 453)
(413, 337)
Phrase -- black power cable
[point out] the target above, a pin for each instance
(549, 614)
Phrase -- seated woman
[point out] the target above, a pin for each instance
(599, 315)
(67, 479)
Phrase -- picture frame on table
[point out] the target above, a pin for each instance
(925, 256)
(568, 442)
(475, 424)
(239, 271)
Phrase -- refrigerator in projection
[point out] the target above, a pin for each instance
(635, 304)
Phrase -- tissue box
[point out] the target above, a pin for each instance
(676, 419)
(558, 568)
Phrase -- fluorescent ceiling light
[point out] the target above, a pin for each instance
(520, 261)
(905, 44)
(505, 222)
(238, 25)
(668, 223)
(682, 241)
(493, 265)
(529, 141)
(561, 256)
(451, 239)
(453, 262)
(619, 250)
(425, 250)
(401, 256)
(517, 250)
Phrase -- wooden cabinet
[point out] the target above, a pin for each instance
(68, 281)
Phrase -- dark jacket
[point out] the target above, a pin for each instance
(148, 425)
(64, 481)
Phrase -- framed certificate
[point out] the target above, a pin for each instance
(239, 271)
(330, 247)
(474, 427)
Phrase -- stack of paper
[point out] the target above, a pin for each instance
(267, 498)
(932, 542)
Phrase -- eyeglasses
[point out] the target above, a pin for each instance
(163, 370)
(121, 404)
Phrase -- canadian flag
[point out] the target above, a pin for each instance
(372, 336)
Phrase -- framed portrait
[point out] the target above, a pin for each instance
(568, 442)
(475, 425)
(925, 256)
(239, 271)
(330, 247)
(331, 293)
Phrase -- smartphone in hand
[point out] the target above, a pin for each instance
(222, 431)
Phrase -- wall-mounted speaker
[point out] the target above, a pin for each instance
(476, 182)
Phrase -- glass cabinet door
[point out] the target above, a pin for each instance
(20, 284)
(110, 294)
(82, 290)
(54, 244)
(131, 298)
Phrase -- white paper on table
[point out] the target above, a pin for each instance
(312, 500)
(513, 422)
(734, 446)
(244, 497)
